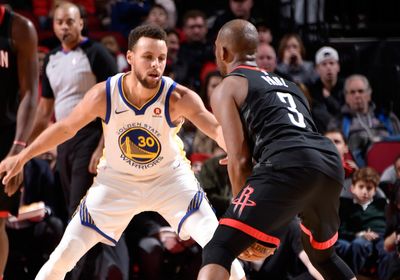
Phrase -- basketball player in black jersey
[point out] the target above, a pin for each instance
(267, 119)
(18, 93)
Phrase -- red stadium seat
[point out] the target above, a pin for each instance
(382, 154)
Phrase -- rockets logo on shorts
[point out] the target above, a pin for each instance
(139, 145)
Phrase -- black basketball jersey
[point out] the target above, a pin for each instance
(277, 119)
(9, 92)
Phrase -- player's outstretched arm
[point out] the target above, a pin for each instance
(187, 104)
(92, 105)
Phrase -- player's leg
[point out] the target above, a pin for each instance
(76, 241)
(219, 253)
(268, 203)
(3, 246)
(318, 237)
(7, 205)
(201, 226)
(180, 200)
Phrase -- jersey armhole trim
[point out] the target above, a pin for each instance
(108, 100)
(167, 98)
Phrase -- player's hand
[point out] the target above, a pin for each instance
(11, 174)
(256, 252)
(14, 184)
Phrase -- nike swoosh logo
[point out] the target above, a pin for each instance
(120, 112)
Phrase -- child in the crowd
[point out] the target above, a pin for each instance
(363, 223)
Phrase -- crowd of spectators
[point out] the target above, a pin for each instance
(341, 103)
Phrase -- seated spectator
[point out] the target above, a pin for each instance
(266, 57)
(327, 90)
(112, 45)
(361, 124)
(392, 173)
(173, 46)
(158, 15)
(291, 54)
(238, 9)
(362, 223)
(264, 33)
(349, 165)
(266, 60)
(126, 14)
(195, 51)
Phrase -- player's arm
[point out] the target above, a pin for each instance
(24, 40)
(225, 102)
(187, 104)
(91, 106)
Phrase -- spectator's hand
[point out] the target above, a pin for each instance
(370, 235)
(256, 252)
(326, 93)
(292, 58)
(352, 164)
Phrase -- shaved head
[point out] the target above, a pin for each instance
(240, 36)
(236, 43)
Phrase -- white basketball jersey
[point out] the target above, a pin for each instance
(140, 142)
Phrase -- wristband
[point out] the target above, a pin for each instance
(19, 143)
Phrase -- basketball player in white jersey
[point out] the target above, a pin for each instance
(144, 166)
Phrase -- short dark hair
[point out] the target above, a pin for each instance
(193, 14)
(147, 30)
(336, 130)
(367, 174)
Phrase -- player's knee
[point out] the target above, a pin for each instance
(214, 254)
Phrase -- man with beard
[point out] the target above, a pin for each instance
(144, 167)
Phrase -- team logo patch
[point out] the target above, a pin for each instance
(243, 200)
(139, 145)
(157, 111)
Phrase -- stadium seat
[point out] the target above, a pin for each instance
(382, 154)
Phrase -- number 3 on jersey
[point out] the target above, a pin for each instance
(287, 98)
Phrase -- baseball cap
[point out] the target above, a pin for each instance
(326, 53)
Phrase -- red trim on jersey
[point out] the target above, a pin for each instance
(4, 214)
(250, 231)
(255, 68)
(319, 245)
(2, 11)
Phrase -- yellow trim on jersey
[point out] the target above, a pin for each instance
(126, 98)
(179, 142)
